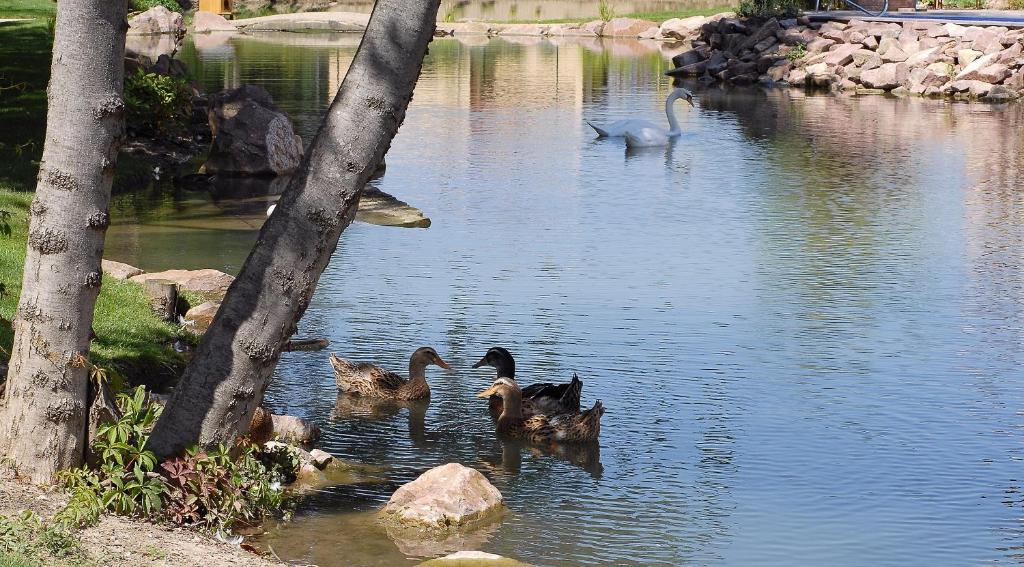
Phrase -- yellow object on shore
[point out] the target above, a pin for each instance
(221, 7)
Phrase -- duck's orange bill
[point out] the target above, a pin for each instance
(488, 392)
(443, 364)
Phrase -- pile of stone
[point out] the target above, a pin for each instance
(919, 58)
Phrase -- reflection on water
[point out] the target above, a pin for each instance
(507, 10)
(805, 318)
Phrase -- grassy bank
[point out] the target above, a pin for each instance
(659, 16)
(130, 337)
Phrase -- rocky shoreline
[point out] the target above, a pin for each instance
(858, 56)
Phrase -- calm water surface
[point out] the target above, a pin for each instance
(805, 318)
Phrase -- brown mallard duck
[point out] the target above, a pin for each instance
(538, 399)
(572, 427)
(365, 379)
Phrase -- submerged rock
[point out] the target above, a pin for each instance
(445, 496)
(295, 429)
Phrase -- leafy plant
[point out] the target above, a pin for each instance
(143, 5)
(769, 8)
(214, 491)
(156, 104)
(798, 52)
(605, 11)
(26, 535)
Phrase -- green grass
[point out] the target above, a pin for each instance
(131, 338)
(27, 8)
(24, 72)
(659, 17)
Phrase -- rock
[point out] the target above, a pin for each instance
(797, 77)
(476, 558)
(819, 45)
(201, 316)
(872, 62)
(842, 54)
(778, 72)
(595, 27)
(210, 283)
(970, 72)
(870, 42)
(1016, 82)
(693, 70)
(118, 270)
(976, 88)
(895, 55)
(1000, 93)
(954, 30)
(157, 20)
(923, 57)
(716, 63)
(887, 77)
(967, 56)
(295, 429)
(920, 79)
(983, 40)
(818, 75)
(687, 58)
(681, 28)
(444, 496)
(765, 44)
(206, 22)
(1010, 55)
(320, 459)
(766, 30)
(626, 27)
(250, 135)
(994, 73)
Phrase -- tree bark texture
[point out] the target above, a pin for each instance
(43, 413)
(226, 379)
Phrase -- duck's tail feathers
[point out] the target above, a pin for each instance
(600, 132)
(571, 397)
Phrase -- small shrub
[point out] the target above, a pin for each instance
(798, 52)
(143, 5)
(1016, 4)
(28, 537)
(156, 104)
(212, 490)
(605, 11)
(769, 8)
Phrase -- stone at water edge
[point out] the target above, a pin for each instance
(207, 282)
(206, 22)
(157, 20)
(295, 429)
(250, 135)
(626, 27)
(681, 28)
(473, 558)
(119, 270)
(320, 459)
(444, 496)
(200, 317)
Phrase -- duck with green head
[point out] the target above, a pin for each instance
(544, 398)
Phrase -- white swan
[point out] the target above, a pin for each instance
(621, 128)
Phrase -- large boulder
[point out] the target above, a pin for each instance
(157, 20)
(681, 28)
(626, 27)
(971, 72)
(445, 496)
(119, 270)
(293, 429)
(250, 135)
(210, 283)
(207, 22)
(842, 54)
(887, 77)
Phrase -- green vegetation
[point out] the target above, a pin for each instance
(24, 72)
(1016, 4)
(27, 541)
(605, 11)
(659, 16)
(27, 8)
(210, 490)
(798, 52)
(143, 5)
(156, 105)
(130, 337)
(770, 8)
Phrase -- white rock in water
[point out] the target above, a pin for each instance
(473, 558)
(448, 495)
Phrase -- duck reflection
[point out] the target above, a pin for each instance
(350, 406)
(506, 458)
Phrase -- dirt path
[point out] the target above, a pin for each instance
(117, 541)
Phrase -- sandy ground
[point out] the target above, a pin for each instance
(117, 541)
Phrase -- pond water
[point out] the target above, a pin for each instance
(805, 318)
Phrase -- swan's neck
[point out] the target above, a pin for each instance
(673, 124)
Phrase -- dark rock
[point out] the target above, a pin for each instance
(250, 135)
